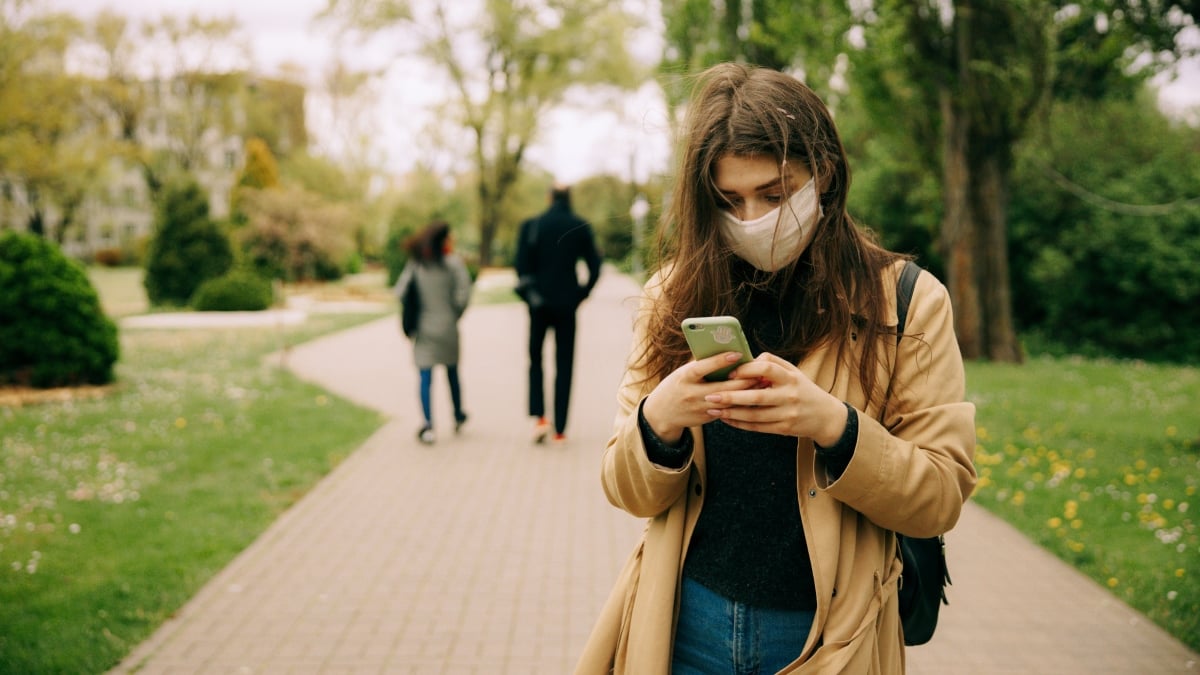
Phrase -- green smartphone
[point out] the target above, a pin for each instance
(711, 335)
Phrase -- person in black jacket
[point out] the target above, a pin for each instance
(549, 247)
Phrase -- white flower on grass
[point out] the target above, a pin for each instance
(74, 528)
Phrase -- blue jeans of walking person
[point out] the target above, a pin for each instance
(455, 397)
(716, 635)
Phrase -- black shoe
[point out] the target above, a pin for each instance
(459, 421)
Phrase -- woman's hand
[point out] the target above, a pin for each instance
(785, 401)
(681, 399)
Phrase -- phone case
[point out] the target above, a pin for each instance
(710, 335)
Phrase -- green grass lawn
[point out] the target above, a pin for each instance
(1099, 462)
(115, 510)
(120, 288)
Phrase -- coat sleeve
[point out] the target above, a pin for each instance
(462, 285)
(631, 481)
(524, 261)
(912, 470)
(592, 257)
(402, 280)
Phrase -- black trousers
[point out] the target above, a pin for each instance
(562, 322)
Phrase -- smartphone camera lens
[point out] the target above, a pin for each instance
(692, 326)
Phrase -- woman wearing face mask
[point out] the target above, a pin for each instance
(773, 497)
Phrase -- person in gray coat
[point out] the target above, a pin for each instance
(444, 288)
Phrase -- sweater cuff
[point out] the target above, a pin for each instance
(659, 451)
(837, 456)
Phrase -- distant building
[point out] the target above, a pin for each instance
(195, 123)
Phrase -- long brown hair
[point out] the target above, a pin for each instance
(836, 286)
(429, 245)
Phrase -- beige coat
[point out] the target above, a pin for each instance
(911, 472)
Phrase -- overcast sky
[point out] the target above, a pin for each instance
(587, 137)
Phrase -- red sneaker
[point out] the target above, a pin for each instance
(541, 429)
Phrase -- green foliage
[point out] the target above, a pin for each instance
(122, 507)
(395, 255)
(1099, 462)
(275, 113)
(53, 331)
(779, 34)
(237, 290)
(1104, 244)
(321, 176)
(187, 249)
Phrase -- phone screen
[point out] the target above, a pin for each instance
(711, 335)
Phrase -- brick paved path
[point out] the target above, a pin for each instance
(485, 554)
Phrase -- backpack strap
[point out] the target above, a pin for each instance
(904, 292)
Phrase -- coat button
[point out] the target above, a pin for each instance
(812, 493)
(698, 489)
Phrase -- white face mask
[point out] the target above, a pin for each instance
(777, 238)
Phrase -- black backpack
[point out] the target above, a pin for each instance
(925, 577)
(410, 307)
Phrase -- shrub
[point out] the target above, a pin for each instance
(295, 235)
(354, 264)
(238, 290)
(188, 248)
(395, 256)
(52, 330)
(108, 257)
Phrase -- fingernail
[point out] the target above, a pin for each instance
(732, 357)
(713, 413)
(713, 398)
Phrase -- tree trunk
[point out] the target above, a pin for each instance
(37, 223)
(991, 205)
(960, 234)
(488, 215)
(487, 235)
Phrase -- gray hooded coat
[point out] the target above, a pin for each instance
(445, 289)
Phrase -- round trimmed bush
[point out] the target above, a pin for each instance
(53, 332)
(238, 291)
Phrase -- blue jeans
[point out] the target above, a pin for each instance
(427, 398)
(717, 635)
